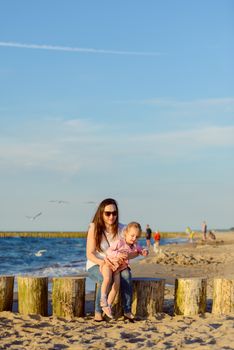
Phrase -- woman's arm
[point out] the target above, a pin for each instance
(113, 250)
(132, 255)
(91, 247)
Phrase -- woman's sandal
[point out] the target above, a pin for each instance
(98, 317)
(129, 316)
(106, 308)
(107, 311)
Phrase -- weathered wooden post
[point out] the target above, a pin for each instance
(223, 296)
(6, 292)
(190, 296)
(33, 295)
(68, 296)
(148, 296)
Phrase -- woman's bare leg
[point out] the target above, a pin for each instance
(114, 289)
(107, 278)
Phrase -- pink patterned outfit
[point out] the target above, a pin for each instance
(113, 259)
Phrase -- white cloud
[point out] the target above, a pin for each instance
(208, 136)
(76, 49)
(205, 103)
(82, 126)
(68, 146)
(179, 145)
(65, 146)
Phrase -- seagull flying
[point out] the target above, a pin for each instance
(59, 201)
(40, 252)
(32, 218)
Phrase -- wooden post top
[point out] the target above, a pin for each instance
(147, 279)
(69, 277)
(191, 278)
(32, 277)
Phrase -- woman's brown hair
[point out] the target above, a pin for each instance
(99, 223)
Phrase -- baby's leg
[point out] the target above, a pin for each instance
(114, 289)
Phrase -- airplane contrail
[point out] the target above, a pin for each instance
(75, 49)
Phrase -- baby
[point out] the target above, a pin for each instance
(117, 259)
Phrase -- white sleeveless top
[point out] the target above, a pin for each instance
(105, 245)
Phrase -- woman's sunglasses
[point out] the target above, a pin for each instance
(109, 213)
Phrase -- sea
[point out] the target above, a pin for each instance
(50, 257)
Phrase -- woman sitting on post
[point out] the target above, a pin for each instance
(104, 230)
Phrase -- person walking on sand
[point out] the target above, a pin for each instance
(117, 260)
(190, 234)
(157, 238)
(104, 230)
(148, 233)
(204, 230)
(211, 235)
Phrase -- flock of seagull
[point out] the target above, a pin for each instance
(59, 201)
(34, 217)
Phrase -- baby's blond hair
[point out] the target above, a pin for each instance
(135, 225)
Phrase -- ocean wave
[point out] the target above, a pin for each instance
(57, 270)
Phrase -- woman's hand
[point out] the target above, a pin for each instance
(123, 255)
(101, 264)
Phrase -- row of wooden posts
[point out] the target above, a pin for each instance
(68, 296)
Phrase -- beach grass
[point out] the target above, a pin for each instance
(43, 234)
(71, 234)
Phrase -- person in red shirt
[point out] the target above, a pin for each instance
(157, 238)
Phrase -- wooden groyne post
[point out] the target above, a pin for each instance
(33, 295)
(6, 293)
(190, 296)
(223, 296)
(148, 298)
(68, 296)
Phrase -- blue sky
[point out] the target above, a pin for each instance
(126, 99)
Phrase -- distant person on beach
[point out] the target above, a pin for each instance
(211, 235)
(204, 230)
(190, 234)
(117, 260)
(157, 238)
(148, 234)
(104, 230)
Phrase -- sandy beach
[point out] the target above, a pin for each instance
(164, 331)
